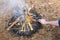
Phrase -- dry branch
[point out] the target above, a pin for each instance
(30, 26)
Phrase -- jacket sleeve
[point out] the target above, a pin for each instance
(59, 22)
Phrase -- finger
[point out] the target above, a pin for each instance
(39, 20)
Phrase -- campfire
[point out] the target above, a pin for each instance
(25, 24)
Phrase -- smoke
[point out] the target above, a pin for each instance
(17, 6)
(3, 6)
(17, 3)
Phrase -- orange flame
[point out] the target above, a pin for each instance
(29, 19)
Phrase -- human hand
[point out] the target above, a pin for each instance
(42, 21)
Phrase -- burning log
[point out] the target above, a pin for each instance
(17, 20)
(29, 21)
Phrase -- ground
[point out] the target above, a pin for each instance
(48, 9)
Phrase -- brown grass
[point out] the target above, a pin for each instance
(49, 9)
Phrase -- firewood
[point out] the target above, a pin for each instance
(23, 25)
(17, 20)
(30, 26)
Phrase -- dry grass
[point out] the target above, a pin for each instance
(49, 9)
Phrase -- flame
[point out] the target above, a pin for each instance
(29, 19)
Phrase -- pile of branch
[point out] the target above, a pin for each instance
(18, 19)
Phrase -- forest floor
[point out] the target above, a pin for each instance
(48, 9)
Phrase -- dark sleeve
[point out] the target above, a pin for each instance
(59, 22)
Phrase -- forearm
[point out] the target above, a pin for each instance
(55, 23)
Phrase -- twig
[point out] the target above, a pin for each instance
(30, 26)
(23, 26)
